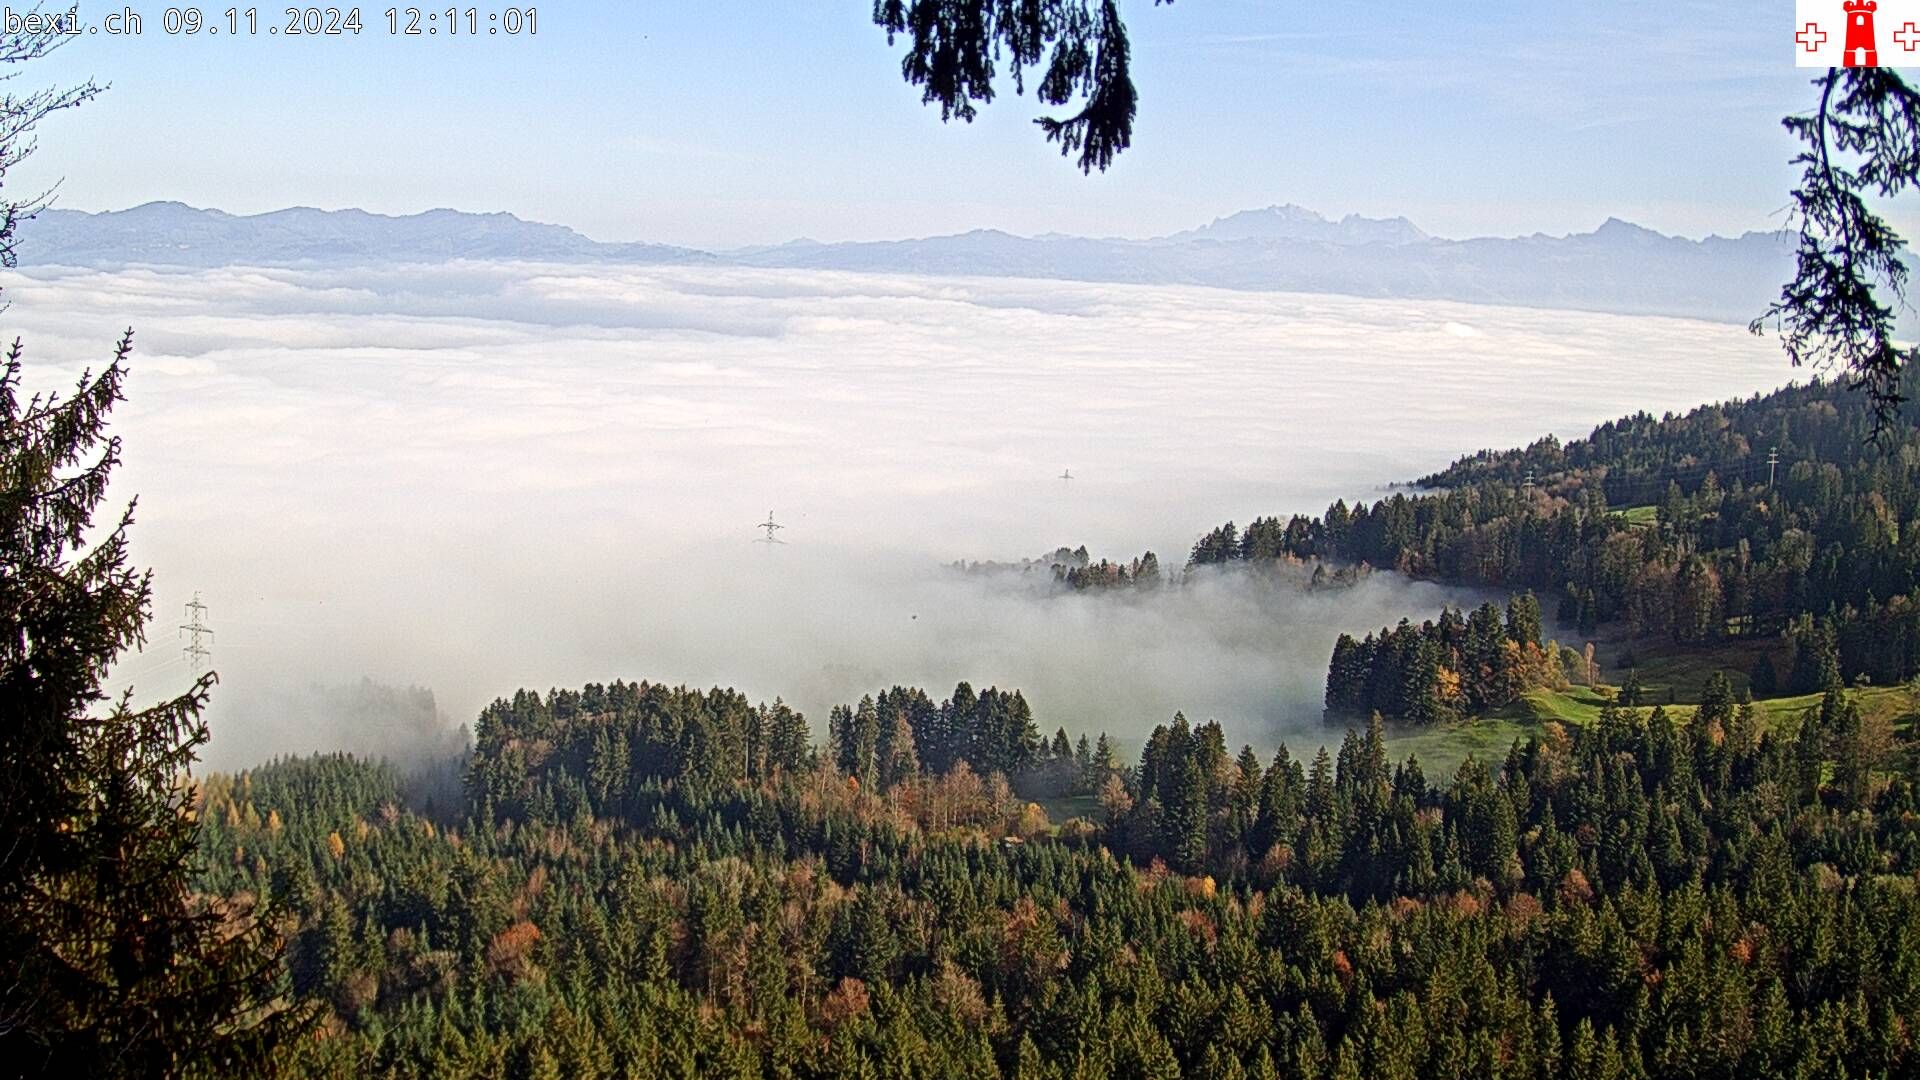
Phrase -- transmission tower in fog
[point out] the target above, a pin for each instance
(1066, 475)
(771, 527)
(199, 636)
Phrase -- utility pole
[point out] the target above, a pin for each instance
(1773, 460)
(199, 656)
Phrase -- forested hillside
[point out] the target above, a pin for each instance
(1634, 898)
(1780, 517)
(1668, 522)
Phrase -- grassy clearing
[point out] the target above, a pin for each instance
(1641, 517)
(1441, 750)
(1680, 672)
(1582, 706)
(1576, 705)
(1665, 672)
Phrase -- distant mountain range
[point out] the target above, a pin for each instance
(175, 234)
(1619, 267)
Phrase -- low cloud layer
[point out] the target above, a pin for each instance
(476, 477)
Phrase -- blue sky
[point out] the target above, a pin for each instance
(729, 122)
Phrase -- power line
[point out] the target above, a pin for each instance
(154, 666)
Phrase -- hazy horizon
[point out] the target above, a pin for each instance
(1136, 234)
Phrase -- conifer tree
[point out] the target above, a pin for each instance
(1631, 689)
(1185, 818)
(1762, 679)
(899, 760)
(117, 969)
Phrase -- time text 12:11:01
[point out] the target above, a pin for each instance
(413, 21)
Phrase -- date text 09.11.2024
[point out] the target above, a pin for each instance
(337, 22)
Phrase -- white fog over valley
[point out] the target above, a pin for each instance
(474, 477)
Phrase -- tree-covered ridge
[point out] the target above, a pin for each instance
(1141, 573)
(620, 750)
(1708, 550)
(1076, 570)
(598, 748)
(1637, 898)
(1635, 457)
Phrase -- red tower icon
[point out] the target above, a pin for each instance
(1860, 51)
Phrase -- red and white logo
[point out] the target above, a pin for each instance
(1856, 33)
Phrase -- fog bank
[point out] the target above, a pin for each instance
(821, 627)
(476, 477)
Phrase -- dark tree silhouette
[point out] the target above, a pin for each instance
(1862, 139)
(1078, 47)
(116, 968)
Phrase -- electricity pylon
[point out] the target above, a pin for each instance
(771, 526)
(199, 634)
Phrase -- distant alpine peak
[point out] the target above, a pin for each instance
(1288, 221)
(1285, 211)
(1615, 229)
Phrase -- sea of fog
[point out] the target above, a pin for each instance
(475, 477)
